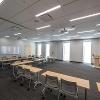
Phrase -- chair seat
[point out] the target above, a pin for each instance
(68, 93)
(52, 86)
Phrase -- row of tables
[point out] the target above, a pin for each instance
(85, 84)
(33, 70)
(10, 60)
(80, 82)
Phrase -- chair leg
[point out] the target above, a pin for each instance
(29, 85)
(43, 91)
(22, 80)
(58, 95)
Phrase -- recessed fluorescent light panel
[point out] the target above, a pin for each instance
(7, 36)
(1, 1)
(98, 25)
(56, 35)
(88, 16)
(15, 34)
(97, 34)
(73, 36)
(49, 10)
(61, 34)
(43, 27)
(86, 31)
(71, 29)
(18, 33)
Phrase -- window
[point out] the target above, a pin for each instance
(47, 50)
(87, 51)
(39, 49)
(3, 49)
(16, 50)
(66, 51)
(9, 50)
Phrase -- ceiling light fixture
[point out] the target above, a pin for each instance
(71, 29)
(7, 36)
(97, 33)
(49, 10)
(88, 16)
(43, 27)
(18, 33)
(1, 1)
(98, 25)
(55, 35)
(74, 36)
(86, 31)
(61, 34)
(15, 34)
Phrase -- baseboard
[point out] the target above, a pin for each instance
(69, 61)
(76, 62)
(59, 60)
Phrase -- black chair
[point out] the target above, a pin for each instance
(52, 83)
(68, 88)
(28, 76)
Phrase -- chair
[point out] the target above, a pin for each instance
(27, 75)
(68, 88)
(52, 83)
(43, 63)
(18, 73)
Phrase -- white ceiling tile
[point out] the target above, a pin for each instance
(12, 7)
(23, 12)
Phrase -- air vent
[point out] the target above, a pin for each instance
(19, 37)
(36, 21)
(46, 18)
(15, 28)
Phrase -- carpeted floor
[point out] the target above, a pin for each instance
(10, 90)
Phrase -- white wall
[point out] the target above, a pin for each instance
(76, 49)
(53, 49)
(96, 46)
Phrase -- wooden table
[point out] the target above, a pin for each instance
(6, 60)
(33, 70)
(98, 86)
(20, 63)
(80, 82)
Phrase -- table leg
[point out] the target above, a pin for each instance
(2, 65)
(85, 94)
(14, 71)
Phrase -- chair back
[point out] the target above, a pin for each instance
(69, 87)
(20, 70)
(27, 71)
(52, 81)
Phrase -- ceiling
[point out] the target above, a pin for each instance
(18, 16)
